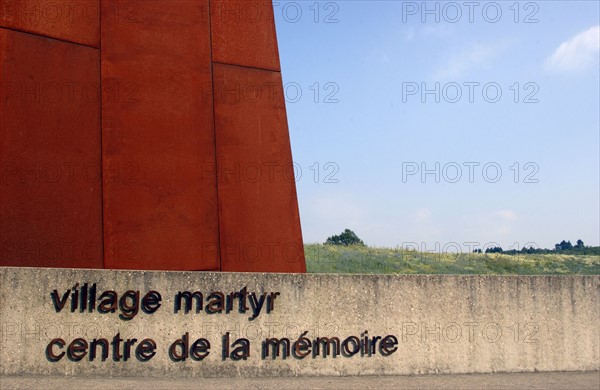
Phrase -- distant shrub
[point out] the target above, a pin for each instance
(347, 238)
(495, 249)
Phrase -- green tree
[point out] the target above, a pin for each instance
(496, 249)
(563, 246)
(348, 237)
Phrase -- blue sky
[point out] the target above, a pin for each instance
(510, 150)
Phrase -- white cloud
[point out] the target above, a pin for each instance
(466, 60)
(576, 54)
(438, 30)
(507, 215)
(422, 214)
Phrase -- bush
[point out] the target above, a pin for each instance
(348, 237)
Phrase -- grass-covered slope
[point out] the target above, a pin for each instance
(367, 260)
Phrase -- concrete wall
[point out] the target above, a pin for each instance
(443, 324)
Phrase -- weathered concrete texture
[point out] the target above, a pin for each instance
(443, 324)
(499, 381)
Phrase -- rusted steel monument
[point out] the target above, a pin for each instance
(146, 135)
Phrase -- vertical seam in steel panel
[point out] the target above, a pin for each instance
(3, 55)
(100, 90)
(212, 79)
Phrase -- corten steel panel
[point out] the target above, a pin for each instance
(160, 197)
(243, 33)
(50, 186)
(70, 20)
(259, 220)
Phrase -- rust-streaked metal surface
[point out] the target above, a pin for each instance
(50, 186)
(260, 225)
(133, 130)
(161, 211)
(69, 20)
(243, 33)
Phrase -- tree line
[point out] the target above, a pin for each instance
(564, 247)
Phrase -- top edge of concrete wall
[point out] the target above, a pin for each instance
(312, 274)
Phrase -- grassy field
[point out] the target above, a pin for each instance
(367, 260)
